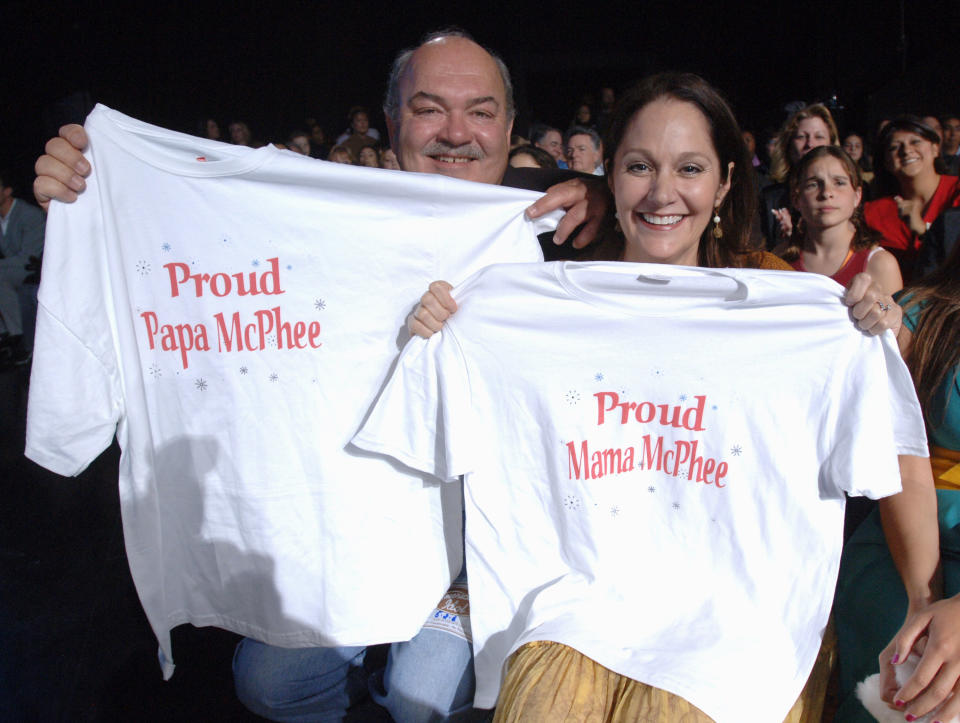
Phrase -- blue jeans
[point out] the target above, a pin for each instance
(428, 678)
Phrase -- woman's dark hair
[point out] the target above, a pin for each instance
(935, 351)
(887, 183)
(740, 204)
(539, 156)
(863, 238)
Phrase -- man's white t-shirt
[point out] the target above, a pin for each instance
(655, 459)
(230, 314)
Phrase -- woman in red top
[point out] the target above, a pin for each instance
(917, 193)
(826, 188)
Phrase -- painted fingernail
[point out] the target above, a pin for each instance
(899, 703)
(910, 717)
(895, 659)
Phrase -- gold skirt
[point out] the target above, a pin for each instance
(548, 682)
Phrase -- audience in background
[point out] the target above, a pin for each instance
(805, 129)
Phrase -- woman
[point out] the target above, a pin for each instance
(671, 156)
(368, 156)
(583, 116)
(870, 603)
(388, 159)
(914, 193)
(341, 154)
(854, 146)
(805, 130)
(830, 239)
(529, 156)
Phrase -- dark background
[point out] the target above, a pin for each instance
(274, 63)
(74, 643)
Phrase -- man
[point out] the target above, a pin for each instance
(550, 140)
(21, 237)
(449, 109)
(950, 149)
(584, 150)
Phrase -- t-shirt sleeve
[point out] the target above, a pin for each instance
(72, 414)
(875, 418)
(75, 399)
(908, 425)
(420, 416)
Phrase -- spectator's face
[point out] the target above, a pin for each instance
(583, 115)
(341, 157)
(389, 160)
(453, 114)
(552, 143)
(750, 142)
(213, 130)
(825, 196)
(607, 97)
(951, 134)
(316, 135)
(853, 145)
(368, 157)
(811, 132)
(582, 155)
(300, 144)
(360, 123)
(239, 134)
(907, 154)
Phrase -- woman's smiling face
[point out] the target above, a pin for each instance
(909, 154)
(667, 180)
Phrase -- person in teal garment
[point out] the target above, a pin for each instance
(871, 604)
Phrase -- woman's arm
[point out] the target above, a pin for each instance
(885, 270)
(909, 522)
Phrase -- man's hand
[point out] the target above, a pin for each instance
(435, 307)
(585, 200)
(934, 633)
(60, 172)
(874, 311)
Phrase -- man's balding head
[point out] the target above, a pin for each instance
(449, 109)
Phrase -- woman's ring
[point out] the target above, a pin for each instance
(884, 307)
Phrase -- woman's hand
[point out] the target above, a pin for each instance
(874, 310)
(934, 633)
(435, 307)
(911, 211)
(784, 222)
(60, 172)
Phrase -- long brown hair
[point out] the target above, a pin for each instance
(736, 212)
(863, 238)
(935, 351)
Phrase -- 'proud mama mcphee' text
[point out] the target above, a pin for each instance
(654, 451)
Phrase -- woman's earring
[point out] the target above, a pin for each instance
(717, 231)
